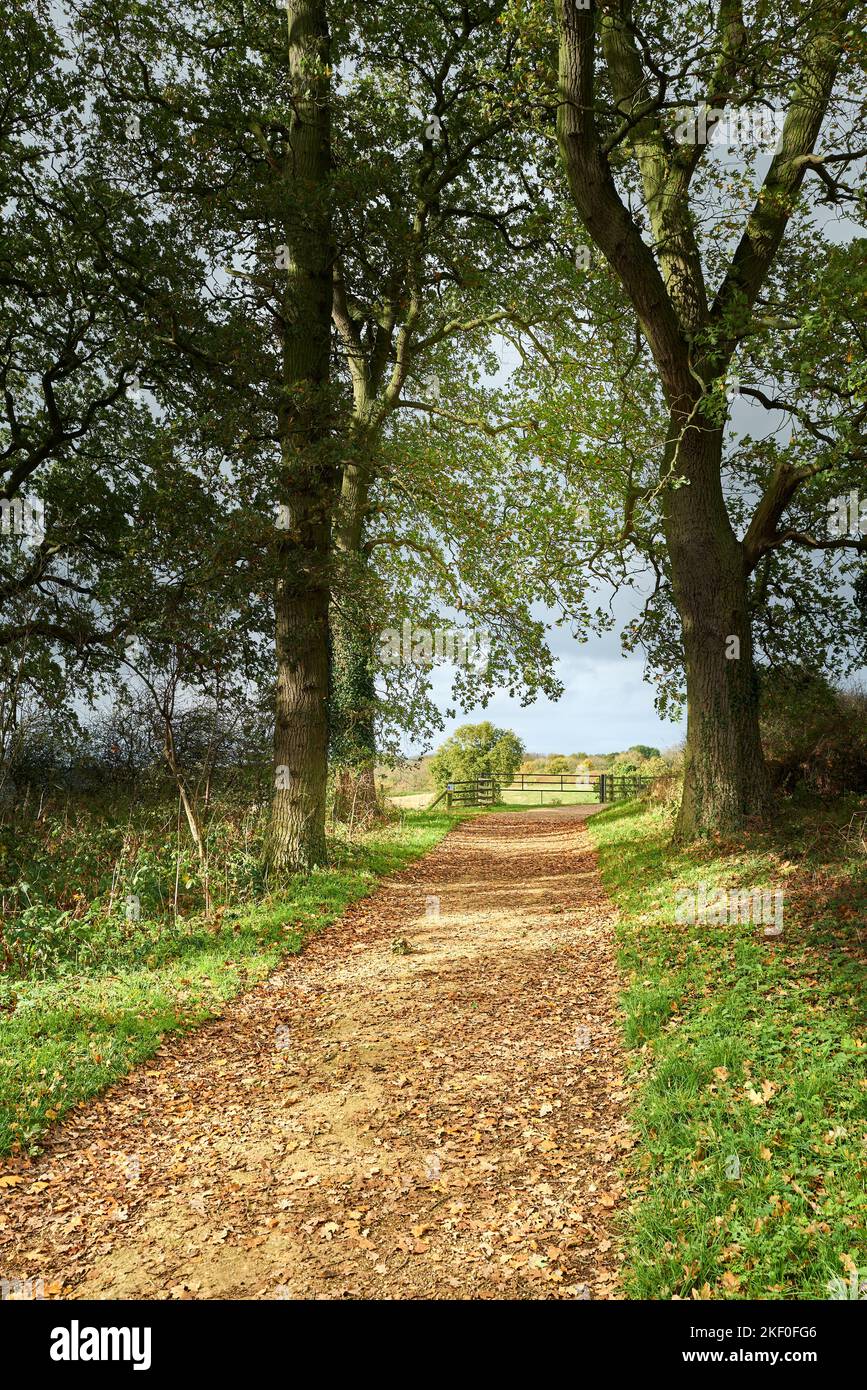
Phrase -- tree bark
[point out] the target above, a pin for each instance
(297, 832)
(353, 693)
(725, 775)
(307, 483)
(353, 702)
(725, 779)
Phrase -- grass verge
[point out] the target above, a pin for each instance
(749, 1058)
(65, 1038)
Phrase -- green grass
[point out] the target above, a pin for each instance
(743, 1047)
(66, 1037)
(553, 796)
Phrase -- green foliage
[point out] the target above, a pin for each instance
(558, 763)
(814, 735)
(66, 879)
(655, 767)
(625, 763)
(477, 750)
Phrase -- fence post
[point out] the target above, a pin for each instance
(602, 787)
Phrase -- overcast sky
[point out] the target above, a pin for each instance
(606, 707)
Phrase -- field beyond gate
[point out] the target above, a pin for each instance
(541, 789)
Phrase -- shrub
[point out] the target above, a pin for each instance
(814, 735)
(477, 750)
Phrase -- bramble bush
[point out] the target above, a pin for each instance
(67, 880)
(814, 734)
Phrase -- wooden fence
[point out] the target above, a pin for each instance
(599, 787)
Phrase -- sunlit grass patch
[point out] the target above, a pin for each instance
(749, 1058)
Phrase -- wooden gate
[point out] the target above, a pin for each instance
(480, 791)
(596, 786)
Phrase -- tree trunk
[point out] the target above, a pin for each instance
(353, 692)
(725, 774)
(307, 484)
(297, 833)
(353, 702)
(725, 779)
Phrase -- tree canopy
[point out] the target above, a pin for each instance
(477, 750)
(318, 321)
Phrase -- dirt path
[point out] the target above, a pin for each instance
(444, 1123)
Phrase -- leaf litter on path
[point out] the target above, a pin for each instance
(446, 1122)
